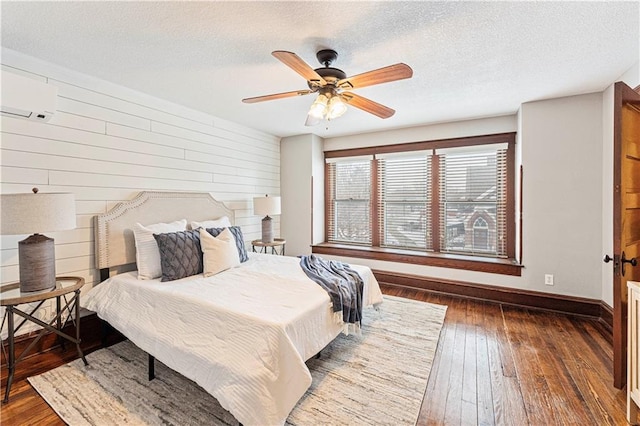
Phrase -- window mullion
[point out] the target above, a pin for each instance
(435, 202)
(375, 205)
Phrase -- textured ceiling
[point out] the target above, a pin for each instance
(470, 59)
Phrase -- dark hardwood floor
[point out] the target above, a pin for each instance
(495, 364)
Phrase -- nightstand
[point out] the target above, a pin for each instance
(264, 247)
(11, 297)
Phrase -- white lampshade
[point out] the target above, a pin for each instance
(336, 108)
(37, 213)
(266, 205)
(319, 107)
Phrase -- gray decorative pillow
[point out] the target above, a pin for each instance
(237, 234)
(180, 254)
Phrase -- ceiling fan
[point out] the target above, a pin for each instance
(333, 86)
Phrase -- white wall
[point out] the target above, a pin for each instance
(295, 186)
(302, 191)
(457, 129)
(631, 76)
(106, 143)
(560, 147)
(317, 170)
(607, 194)
(562, 194)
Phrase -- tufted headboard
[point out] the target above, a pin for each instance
(115, 245)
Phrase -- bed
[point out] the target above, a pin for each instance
(243, 335)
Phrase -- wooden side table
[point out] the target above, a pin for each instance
(264, 247)
(11, 297)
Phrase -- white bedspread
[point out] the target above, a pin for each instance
(243, 335)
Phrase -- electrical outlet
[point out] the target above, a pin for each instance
(548, 279)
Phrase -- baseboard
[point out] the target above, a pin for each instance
(606, 314)
(523, 298)
(90, 334)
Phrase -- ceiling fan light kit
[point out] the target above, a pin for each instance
(319, 107)
(336, 108)
(329, 107)
(334, 87)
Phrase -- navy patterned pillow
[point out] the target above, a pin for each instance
(180, 254)
(237, 233)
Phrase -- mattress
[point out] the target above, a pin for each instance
(243, 335)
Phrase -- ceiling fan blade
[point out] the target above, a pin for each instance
(276, 96)
(367, 105)
(379, 76)
(294, 62)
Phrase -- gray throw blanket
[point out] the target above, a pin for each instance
(343, 284)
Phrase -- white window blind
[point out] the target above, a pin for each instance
(473, 196)
(349, 212)
(429, 197)
(404, 201)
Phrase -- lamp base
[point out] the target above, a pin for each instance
(267, 230)
(37, 258)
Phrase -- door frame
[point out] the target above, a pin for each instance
(622, 94)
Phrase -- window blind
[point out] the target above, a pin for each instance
(349, 208)
(473, 197)
(430, 196)
(404, 198)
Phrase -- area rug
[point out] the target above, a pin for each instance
(377, 378)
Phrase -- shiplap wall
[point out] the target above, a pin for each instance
(106, 143)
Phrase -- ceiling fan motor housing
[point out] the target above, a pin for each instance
(326, 57)
(329, 73)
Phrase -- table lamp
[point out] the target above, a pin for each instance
(33, 213)
(266, 206)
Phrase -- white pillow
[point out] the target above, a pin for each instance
(147, 252)
(219, 253)
(221, 222)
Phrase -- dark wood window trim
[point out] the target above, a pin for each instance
(443, 260)
(507, 266)
(421, 146)
(375, 223)
(435, 201)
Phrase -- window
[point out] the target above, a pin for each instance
(349, 206)
(440, 198)
(473, 200)
(404, 201)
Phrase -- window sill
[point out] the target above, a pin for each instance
(442, 260)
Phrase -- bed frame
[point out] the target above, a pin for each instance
(114, 239)
(114, 242)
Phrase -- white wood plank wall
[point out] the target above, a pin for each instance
(106, 143)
